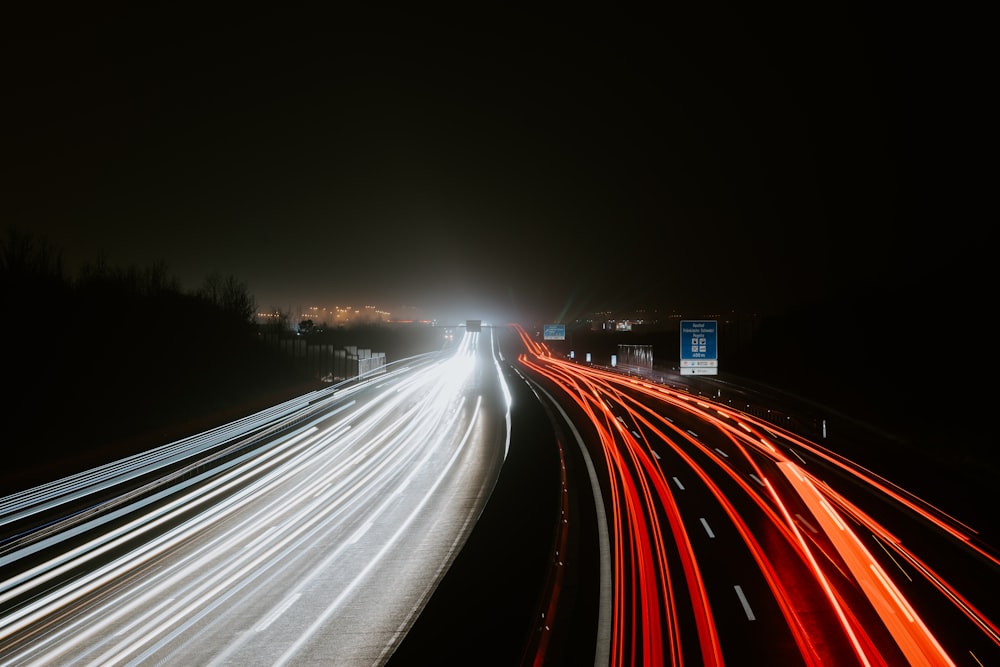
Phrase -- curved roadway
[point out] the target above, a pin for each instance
(326, 539)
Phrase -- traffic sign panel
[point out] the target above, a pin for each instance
(699, 347)
(555, 332)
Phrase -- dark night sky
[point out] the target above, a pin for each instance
(505, 166)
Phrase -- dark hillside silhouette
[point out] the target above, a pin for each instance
(116, 361)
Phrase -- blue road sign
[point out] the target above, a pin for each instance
(555, 332)
(699, 347)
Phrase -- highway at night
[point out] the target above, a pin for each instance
(379, 522)
(733, 541)
(313, 533)
(391, 337)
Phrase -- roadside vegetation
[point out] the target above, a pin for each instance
(119, 359)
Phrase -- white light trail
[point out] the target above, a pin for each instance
(201, 549)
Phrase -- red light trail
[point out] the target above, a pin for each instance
(650, 537)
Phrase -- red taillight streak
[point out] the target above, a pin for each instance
(967, 608)
(767, 569)
(852, 630)
(631, 532)
(763, 445)
(943, 520)
(651, 590)
(652, 554)
(910, 633)
(952, 526)
(619, 585)
(558, 572)
(644, 563)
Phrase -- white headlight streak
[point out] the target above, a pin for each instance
(255, 559)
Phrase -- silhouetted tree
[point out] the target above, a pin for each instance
(230, 295)
(156, 280)
(237, 300)
(29, 263)
(31, 276)
(211, 289)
